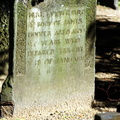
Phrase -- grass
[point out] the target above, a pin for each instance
(119, 3)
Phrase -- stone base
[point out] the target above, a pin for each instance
(75, 104)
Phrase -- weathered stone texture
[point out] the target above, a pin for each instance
(21, 39)
(4, 37)
(54, 52)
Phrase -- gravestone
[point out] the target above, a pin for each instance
(4, 40)
(54, 53)
(6, 36)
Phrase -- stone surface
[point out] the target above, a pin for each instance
(54, 52)
(108, 116)
(4, 37)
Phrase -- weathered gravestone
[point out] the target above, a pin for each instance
(54, 53)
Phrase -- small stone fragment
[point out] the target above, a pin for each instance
(108, 116)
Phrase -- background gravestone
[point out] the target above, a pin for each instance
(6, 57)
(54, 52)
(4, 38)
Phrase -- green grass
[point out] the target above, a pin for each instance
(119, 3)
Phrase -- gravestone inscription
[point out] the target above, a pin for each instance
(54, 52)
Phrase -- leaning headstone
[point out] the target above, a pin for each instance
(108, 116)
(54, 53)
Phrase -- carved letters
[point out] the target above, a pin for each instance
(72, 12)
(55, 37)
